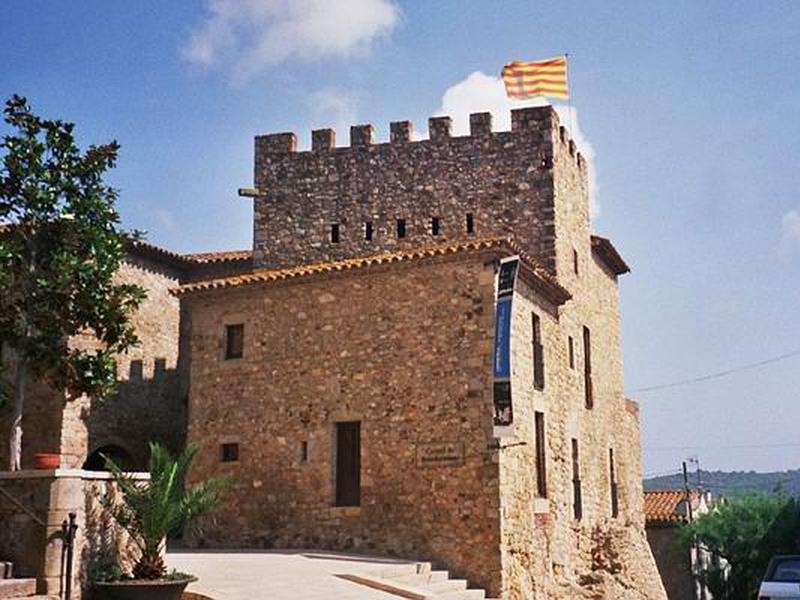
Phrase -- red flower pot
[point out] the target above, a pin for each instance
(46, 461)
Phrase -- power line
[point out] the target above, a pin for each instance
(721, 447)
(718, 374)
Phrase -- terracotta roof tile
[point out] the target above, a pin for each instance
(663, 506)
(545, 280)
(217, 257)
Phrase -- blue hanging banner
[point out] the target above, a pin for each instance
(503, 412)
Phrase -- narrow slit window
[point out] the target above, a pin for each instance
(538, 352)
(401, 228)
(335, 233)
(577, 503)
(587, 368)
(229, 452)
(612, 476)
(434, 225)
(470, 223)
(234, 341)
(368, 230)
(571, 344)
(304, 451)
(541, 464)
(575, 261)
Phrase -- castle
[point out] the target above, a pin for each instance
(420, 357)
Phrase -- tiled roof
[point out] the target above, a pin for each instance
(606, 251)
(664, 506)
(542, 279)
(218, 257)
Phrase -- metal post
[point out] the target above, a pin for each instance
(68, 530)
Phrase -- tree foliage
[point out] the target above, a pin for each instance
(745, 532)
(59, 251)
(60, 246)
(150, 510)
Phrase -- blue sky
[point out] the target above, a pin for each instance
(690, 109)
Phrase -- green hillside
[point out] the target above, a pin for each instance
(732, 483)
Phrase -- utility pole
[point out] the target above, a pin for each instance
(686, 490)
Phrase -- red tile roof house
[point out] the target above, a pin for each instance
(665, 511)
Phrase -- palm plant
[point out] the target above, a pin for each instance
(149, 510)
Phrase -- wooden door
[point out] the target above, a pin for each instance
(348, 463)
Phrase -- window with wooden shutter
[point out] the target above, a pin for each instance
(348, 463)
(587, 368)
(541, 464)
(612, 476)
(538, 352)
(577, 498)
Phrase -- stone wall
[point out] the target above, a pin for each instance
(504, 179)
(674, 562)
(405, 350)
(36, 549)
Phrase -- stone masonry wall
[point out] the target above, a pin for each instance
(547, 553)
(147, 405)
(406, 350)
(504, 179)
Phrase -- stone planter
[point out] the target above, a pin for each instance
(45, 461)
(141, 589)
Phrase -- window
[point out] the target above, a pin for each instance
(368, 230)
(575, 261)
(434, 225)
(577, 505)
(541, 465)
(538, 352)
(304, 451)
(571, 344)
(470, 223)
(229, 452)
(612, 477)
(159, 368)
(401, 228)
(234, 341)
(136, 370)
(587, 367)
(334, 233)
(348, 463)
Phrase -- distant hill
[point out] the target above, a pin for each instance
(732, 483)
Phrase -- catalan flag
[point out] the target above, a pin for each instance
(526, 80)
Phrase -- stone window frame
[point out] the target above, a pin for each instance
(227, 321)
(231, 440)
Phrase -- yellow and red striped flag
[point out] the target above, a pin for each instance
(539, 78)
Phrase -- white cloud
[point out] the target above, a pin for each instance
(484, 93)
(250, 35)
(790, 233)
(336, 109)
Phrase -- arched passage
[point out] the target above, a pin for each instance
(123, 458)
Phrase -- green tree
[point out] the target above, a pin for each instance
(60, 246)
(745, 532)
(150, 510)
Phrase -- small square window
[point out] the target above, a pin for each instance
(334, 233)
(401, 228)
(368, 230)
(434, 225)
(234, 341)
(229, 452)
(470, 223)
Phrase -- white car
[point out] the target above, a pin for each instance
(782, 579)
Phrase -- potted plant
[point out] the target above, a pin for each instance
(148, 510)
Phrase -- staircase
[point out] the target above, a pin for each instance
(13, 589)
(417, 581)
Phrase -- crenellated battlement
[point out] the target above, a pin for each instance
(334, 202)
(401, 132)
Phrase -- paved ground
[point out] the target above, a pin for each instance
(278, 574)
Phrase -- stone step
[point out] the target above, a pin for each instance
(16, 588)
(423, 578)
(450, 585)
(401, 570)
(461, 595)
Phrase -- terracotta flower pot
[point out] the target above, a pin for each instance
(142, 589)
(46, 461)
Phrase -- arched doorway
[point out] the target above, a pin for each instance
(123, 458)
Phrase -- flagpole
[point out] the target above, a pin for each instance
(569, 98)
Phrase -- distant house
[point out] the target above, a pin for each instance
(665, 511)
